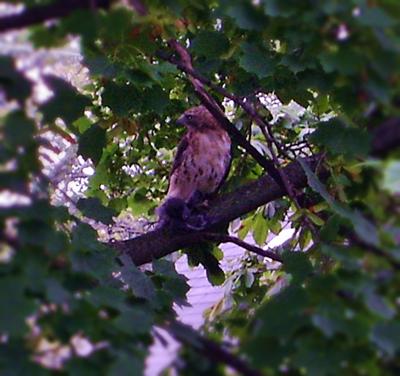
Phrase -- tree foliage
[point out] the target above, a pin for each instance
(330, 307)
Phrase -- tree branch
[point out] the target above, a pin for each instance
(161, 242)
(210, 349)
(42, 13)
(223, 238)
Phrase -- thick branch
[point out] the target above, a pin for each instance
(161, 242)
(39, 14)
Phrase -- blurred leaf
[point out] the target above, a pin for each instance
(364, 229)
(297, 264)
(93, 208)
(155, 100)
(202, 46)
(126, 364)
(67, 103)
(260, 229)
(15, 84)
(254, 60)
(391, 177)
(134, 321)
(386, 336)
(18, 129)
(247, 16)
(140, 284)
(375, 17)
(122, 98)
(339, 139)
(92, 142)
(16, 306)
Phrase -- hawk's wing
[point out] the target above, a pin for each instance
(228, 168)
(184, 143)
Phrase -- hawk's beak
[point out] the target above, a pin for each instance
(182, 121)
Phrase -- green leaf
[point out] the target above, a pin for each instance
(391, 177)
(375, 17)
(18, 130)
(345, 61)
(339, 139)
(83, 124)
(92, 142)
(260, 229)
(278, 8)
(255, 60)
(140, 204)
(314, 218)
(93, 208)
(364, 229)
(126, 364)
(155, 100)
(330, 229)
(283, 315)
(247, 16)
(84, 239)
(377, 304)
(14, 83)
(55, 291)
(297, 264)
(140, 284)
(67, 103)
(135, 321)
(210, 44)
(122, 98)
(386, 337)
(321, 360)
(16, 307)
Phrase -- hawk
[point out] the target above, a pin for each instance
(200, 167)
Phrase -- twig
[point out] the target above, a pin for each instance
(210, 349)
(252, 248)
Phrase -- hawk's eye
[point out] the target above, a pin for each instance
(189, 117)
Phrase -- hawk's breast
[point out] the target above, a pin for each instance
(211, 159)
(204, 164)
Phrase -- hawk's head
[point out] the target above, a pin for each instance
(198, 118)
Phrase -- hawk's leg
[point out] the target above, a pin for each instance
(173, 213)
(196, 199)
(198, 205)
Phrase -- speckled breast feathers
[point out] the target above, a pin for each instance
(203, 157)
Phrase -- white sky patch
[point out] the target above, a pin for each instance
(281, 238)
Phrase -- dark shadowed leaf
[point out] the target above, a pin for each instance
(210, 44)
(92, 142)
(67, 103)
(140, 284)
(18, 129)
(255, 60)
(15, 84)
(386, 335)
(16, 307)
(93, 208)
(122, 98)
(297, 264)
(339, 139)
